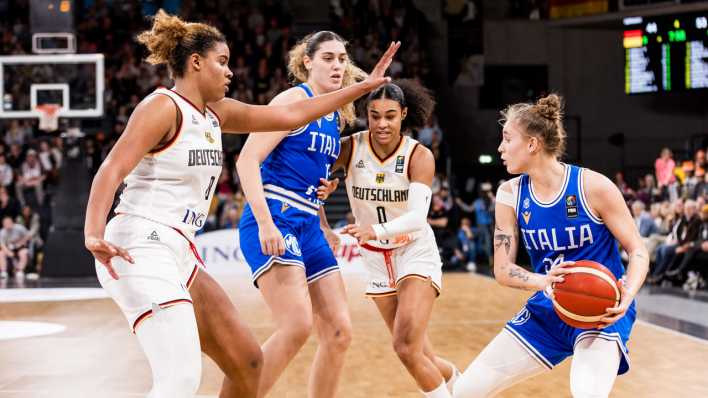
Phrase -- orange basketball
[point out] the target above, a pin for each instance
(582, 299)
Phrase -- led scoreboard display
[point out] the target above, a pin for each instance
(665, 53)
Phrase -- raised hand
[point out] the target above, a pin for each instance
(376, 78)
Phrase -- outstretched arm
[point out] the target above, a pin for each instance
(239, 117)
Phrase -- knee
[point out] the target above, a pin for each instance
(407, 351)
(338, 336)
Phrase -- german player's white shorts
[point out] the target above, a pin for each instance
(166, 263)
(388, 267)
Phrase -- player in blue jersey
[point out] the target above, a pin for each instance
(560, 213)
(291, 260)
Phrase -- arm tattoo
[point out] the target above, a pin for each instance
(502, 239)
(519, 273)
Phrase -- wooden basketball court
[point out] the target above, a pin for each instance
(97, 356)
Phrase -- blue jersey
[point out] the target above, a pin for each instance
(563, 229)
(292, 171)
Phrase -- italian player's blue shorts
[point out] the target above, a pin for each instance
(546, 337)
(305, 244)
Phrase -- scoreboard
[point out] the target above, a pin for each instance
(665, 53)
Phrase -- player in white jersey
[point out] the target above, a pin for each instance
(170, 157)
(388, 179)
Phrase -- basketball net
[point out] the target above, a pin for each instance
(48, 117)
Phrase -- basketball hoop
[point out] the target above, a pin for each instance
(48, 117)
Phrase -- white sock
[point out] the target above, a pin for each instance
(440, 392)
(455, 374)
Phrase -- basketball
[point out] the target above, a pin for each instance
(582, 299)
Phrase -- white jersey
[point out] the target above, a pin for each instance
(174, 184)
(378, 188)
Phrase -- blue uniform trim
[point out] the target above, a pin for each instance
(528, 347)
(606, 336)
(291, 198)
(269, 264)
(583, 199)
(323, 273)
(560, 193)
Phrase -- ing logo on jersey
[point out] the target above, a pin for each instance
(380, 178)
(291, 244)
(360, 165)
(209, 137)
(521, 317)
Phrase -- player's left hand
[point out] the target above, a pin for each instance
(362, 233)
(615, 313)
(333, 240)
(327, 187)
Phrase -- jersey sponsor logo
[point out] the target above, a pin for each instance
(205, 157)
(209, 137)
(521, 317)
(291, 244)
(557, 239)
(360, 165)
(284, 207)
(527, 204)
(192, 217)
(400, 161)
(154, 236)
(194, 120)
(380, 194)
(324, 144)
(380, 178)
(527, 216)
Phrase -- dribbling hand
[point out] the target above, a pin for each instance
(376, 78)
(272, 243)
(327, 187)
(103, 251)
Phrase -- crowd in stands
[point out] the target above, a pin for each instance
(669, 205)
(29, 170)
(670, 210)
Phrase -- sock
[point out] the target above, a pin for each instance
(440, 392)
(455, 374)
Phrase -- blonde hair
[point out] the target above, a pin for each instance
(308, 46)
(171, 41)
(543, 120)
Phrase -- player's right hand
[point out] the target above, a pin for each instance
(272, 243)
(376, 78)
(103, 251)
(555, 275)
